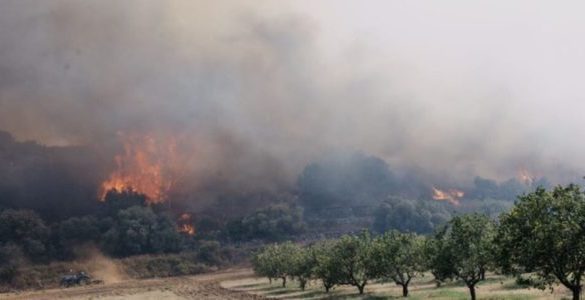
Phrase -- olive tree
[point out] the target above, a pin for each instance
(326, 264)
(302, 264)
(468, 248)
(544, 233)
(353, 255)
(264, 264)
(435, 257)
(275, 261)
(399, 258)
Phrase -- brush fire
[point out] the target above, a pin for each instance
(526, 177)
(143, 167)
(451, 195)
(185, 224)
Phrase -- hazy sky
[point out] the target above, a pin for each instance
(458, 88)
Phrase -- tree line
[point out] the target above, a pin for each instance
(123, 226)
(543, 234)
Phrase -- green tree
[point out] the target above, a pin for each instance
(544, 233)
(138, 230)
(273, 223)
(264, 264)
(468, 245)
(302, 265)
(25, 229)
(409, 215)
(435, 257)
(275, 261)
(326, 264)
(10, 259)
(399, 257)
(353, 256)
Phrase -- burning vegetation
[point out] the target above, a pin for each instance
(185, 224)
(144, 167)
(526, 177)
(451, 195)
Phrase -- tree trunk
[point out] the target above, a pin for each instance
(327, 287)
(270, 279)
(482, 275)
(576, 293)
(302, 283)
(472, 291)
(284, 281)
(361, 288)
(405, 290)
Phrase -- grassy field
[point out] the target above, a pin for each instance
(495, 287)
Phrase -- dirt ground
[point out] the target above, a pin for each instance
(205, 286)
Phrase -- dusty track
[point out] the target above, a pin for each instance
(206, 286)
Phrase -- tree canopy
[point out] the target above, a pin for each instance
(467, 246)
(544, 233)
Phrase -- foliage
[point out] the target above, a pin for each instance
(436, 257)
(326, 264)
(544, 234)
(467, 245)
(398, 257)
(10, 257)
(24, 229)
(273, 223)
(138, 230)
(276, 261)
(302, 264)
(353, 256)
(116, 201)
(345, 180)
(409, 216)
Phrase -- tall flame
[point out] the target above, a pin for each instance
(142, 168)
(451, 195)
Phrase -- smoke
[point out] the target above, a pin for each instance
(98, 266)
(254, 92)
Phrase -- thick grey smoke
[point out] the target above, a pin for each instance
(254, 91)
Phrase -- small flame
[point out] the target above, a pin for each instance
(185, 224)
(526, 177)
(451, 195)
(187, 229)
(140, 168)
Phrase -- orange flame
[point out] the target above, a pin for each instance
(187, 229)
(186, 224)
(451, 195)
(140, 168)
(526, 177)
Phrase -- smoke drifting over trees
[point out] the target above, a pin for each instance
(254, 93)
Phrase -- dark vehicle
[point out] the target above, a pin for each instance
(75, 279)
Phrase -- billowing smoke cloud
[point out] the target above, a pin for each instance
(253, 92)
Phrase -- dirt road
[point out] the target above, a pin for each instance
(206, 286)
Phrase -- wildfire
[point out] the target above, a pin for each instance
(451, 195)
(526, 177)
(185, 224)
(141, 168)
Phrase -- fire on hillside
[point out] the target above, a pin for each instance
(185, 224)
(451, 195)
(143, 167)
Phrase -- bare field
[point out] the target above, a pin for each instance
(205, 286)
